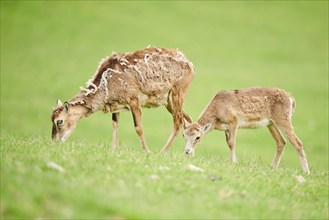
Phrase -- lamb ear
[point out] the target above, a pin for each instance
(59, 102)
(185, 123)
(66, 106)
(206, 128)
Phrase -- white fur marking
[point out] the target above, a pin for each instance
(253, 124)
(104, 81)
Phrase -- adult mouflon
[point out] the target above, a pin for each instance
(149, 78)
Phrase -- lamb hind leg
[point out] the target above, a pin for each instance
(288, 130)
(299, 148)
(280, 142)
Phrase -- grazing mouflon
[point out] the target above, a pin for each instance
(247, 108)
(150, 77)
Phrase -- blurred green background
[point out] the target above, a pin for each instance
(49, 49)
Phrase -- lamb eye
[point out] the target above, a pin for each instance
(197, 138)
(59, 122)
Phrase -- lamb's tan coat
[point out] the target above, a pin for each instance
(248, 108)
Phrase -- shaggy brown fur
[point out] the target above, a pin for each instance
(150, 77)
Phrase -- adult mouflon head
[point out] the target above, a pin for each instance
(65, 118)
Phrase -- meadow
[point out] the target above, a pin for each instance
(50, 49)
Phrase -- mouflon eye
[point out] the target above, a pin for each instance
(59, 122)
(197, 138)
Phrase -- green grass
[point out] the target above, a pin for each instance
(98, 182)
(49, 49)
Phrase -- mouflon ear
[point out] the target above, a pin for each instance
(206, 128)
(185, 123)
(66, 106)
(59, 102)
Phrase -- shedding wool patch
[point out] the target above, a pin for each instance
(151, 68)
